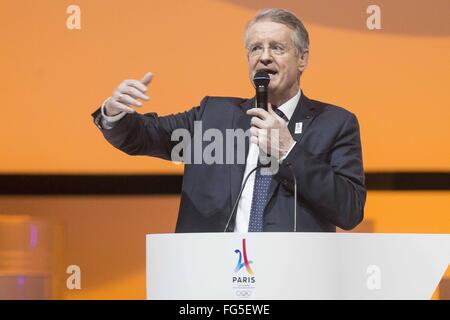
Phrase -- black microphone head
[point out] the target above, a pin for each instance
(261, 78)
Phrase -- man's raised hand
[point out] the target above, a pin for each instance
(127, 94)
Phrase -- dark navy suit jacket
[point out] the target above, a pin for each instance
(326, 159)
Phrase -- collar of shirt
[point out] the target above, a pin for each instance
(289, 106)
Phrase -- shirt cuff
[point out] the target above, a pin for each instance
(109, 121)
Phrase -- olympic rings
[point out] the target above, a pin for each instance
(243, 293)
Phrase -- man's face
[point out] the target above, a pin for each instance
(271, 48)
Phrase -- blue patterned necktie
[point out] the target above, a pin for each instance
(260, 191)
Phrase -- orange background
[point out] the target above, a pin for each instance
(395, 79)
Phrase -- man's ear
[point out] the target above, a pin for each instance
(303, 61)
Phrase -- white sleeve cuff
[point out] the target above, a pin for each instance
(110, 119)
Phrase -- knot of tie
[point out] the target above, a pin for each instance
(281, 114)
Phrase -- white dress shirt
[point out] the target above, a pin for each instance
(245, 204)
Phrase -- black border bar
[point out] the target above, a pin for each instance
(278, 309)
(90, 184)
(142, 184)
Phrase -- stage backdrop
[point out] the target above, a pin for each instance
(394, 79)
(52, 78)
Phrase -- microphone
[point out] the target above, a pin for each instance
(295, 194)
(261, 81)
(233, 211)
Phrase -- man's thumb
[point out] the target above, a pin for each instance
(147, 78)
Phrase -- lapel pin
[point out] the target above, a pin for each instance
(298, 127)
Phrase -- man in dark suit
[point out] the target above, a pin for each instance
(317, 142)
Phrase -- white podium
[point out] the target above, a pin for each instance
(271, 266)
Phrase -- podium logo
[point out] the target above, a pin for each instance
(243, 256)
(243, 285)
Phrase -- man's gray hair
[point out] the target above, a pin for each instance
(283, 16)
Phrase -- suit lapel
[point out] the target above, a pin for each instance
(304, 113)
(240, 121)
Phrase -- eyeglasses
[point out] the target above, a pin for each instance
(275, 49)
